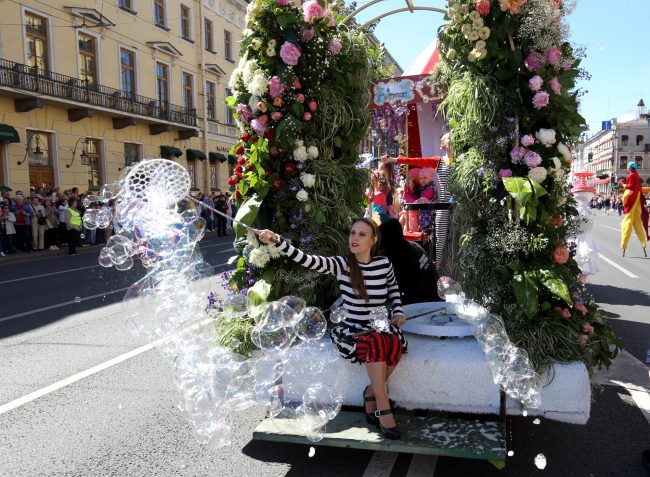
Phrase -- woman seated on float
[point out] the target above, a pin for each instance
(366, 281)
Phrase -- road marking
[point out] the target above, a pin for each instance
(611, 228)
(381, 463)
(422, 465)
(640, 397)
(47, 274)
(617, 266)
(75, 301)
(88, 372)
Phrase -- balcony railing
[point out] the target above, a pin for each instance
(229, 130)
(23, 77)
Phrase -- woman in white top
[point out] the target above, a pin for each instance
(63, 231)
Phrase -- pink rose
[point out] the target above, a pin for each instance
(307, 34)
(553, 56)
(289, 53)
(300, 98)
(296, 83)
(561, 254)
(335, 46)
(535, 61)
(528, 140)
(555, 85)
(505, 173)
(306, 116)
(261, 106)
(517, 154)
(311, 10)
(330, 18)
(282, 3)
(483, 7)
(535, 83)
(264, 119)
(580, 307)
(587, 329)
(276, 88)
(277, 102)
(532, 159)
(564, 312)
(540, 100)
(312, 106)
(276, 116)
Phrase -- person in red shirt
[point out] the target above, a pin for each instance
(632, 209)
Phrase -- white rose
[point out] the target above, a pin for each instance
(256, 44)
(312, 152)
(557, 164)
(484, 33)
(302, 195)
(270, 51)
(565, 151)
(300, 153)
(478, 23)
(480, 45)
(466, 29)
(482, 54)
(457, 18)
(272, 43)
(546, 136)
(537, 174)
(308, 179)
(473, 35)
(464, 9)
(474, 15)
(299, 142)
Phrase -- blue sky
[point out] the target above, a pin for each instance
(614, 33)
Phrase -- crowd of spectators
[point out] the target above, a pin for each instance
(613, 203)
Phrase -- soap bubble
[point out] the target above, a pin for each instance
(338, 315)
(90, 219)
(235, 305)
(77, 299)
(449, 289)
(276, 315)
(105, 259)
(125, 265)
(322, 401)
(269, 340)
(379, 319)
(104, 218)
(540, 461)
(89, 199)
(311, 324)
(294, 302)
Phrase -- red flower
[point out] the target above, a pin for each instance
(268, 171)
(274, 152)
(483, 7)
(277, 184)
(239, 169)
(238, 195)
(312, 106)
(269, 133)
(296, 84)
(560, 254)
(239, 150)
(233, 180)
(277, 102)
(306, 116)
(290, 169)
(241, 161)
(300, 98)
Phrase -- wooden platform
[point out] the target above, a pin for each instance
(473, 439)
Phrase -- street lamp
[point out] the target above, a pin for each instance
(84, 152)
(38, 153)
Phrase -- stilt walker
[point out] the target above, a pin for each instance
(632, 209)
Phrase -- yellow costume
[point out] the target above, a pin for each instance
(633, 209)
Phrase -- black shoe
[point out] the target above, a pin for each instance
(370, 416)
(388, 432)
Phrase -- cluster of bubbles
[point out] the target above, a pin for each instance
(511, 368)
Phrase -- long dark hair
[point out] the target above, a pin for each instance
(356, 276)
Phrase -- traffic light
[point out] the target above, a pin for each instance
(590, 157)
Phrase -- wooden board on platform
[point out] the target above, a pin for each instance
(474, 439)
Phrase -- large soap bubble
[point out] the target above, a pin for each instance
(311, 324)
(294, 302)
(235, 305)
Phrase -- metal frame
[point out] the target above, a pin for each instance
(409, 8)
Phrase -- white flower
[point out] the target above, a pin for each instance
(248, 70)
(312, 152)
(273, 251)
(300, 153)
(480, 45)
(272, 43)
(478, 23)
(457, 18)
(302, 195)
(464, 9)
(258, 84)
(252, 239)
(473, 35)
(270, 51)
(259, 257)
(474, 15)
(565, 151)
(484, 33)
(256, 44)
(466, 29)
(308, 179)
(557, 164)
(253, 101)
(234, 79)
(546, 136)
(482, 54)
(299, 142)
(537, 174)
(247, 32)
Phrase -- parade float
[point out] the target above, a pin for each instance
(301, 93)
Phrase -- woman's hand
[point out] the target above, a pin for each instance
(399, 320)
(268, 236)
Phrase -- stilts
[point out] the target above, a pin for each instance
(645, 253)
(624, 252)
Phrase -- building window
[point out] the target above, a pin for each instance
(188, 92)
(211, 100)
(624, 140)
(209, 37)
(230, 119)
(185, 23)
(162, 83)
(623, 160)
(126, 5)
(37, 42)
(127, 72)
(227, 45)
(42, 141)
(88, 58)
(639, 161)
(95, 175)
(159, 13)
(639, 139)
(132, 153)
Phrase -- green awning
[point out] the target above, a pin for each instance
(232, 159)
(8, 133)
(195, 154)
(169, 151)
(217, 156)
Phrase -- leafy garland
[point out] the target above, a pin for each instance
(300, 96)
(508, 77)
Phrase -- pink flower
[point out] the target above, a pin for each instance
(261, 106)
(535, 83)
(300, 98)
(555, 85)
(335, 46)
(277, 102)
(505, 173)
(244, 111)
(264, 119)
(330, 18)
(307, 34)
(296, 83)
(553, 56)
(532, 159)
(588, 329)
(306, 116)
(276, 116)
(482, 7)
(540, 100)
(312, 106)
(517, 154)
(276, 87)
(312, 9)
(282, 3)
(513, 6)
(535, 61)
(580, 307)
(528, 140)
(561, 254)
(289, 53)
(257, 125)
(564, 312)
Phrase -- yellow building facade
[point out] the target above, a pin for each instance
(87, 90)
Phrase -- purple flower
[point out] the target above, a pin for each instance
(335, 46)
(276, 87)
(289, 53)
(504, 173)
(528, 140)
(307, 34)
(535, 61)
(517, 154)
(258, 126)
(244, 111)
(480, 171)
(553, 56)
(282, 3)
(540, 100)
(532, 159)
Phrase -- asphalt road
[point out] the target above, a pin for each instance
(121, 421)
